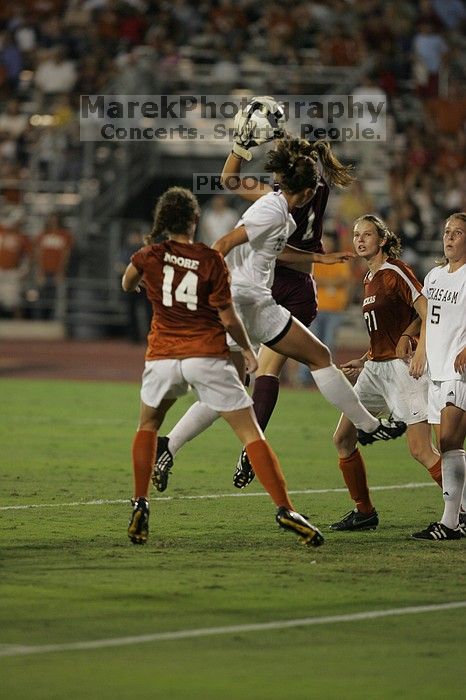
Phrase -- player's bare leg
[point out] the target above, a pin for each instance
(419, 439)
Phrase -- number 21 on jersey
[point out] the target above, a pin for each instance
(371, 321)
(185, 292)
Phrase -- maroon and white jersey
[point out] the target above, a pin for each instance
(309, 220)
(296, 290)
(388, 306)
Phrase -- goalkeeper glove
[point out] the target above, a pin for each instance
(242, 136)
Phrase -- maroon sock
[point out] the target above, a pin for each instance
(265, 395)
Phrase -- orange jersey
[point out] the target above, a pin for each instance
(14, 247)
(387, 306)
(186, 284)
(53, 249)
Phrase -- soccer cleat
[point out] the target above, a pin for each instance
(462, 523)
(163, 464)
(138, 528)
(355, 520)
(290, 520)
(244, 472)
(438, 531)
(387, 430)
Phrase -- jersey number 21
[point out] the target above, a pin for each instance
(371, 321)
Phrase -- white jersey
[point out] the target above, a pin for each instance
(446, 320)
(269, 225)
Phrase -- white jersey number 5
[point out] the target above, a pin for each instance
(186, 291)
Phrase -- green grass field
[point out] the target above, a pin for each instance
(69, 574)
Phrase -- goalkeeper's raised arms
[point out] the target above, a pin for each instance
(261, 121)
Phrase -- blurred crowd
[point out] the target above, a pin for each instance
(51, 51)
(32, 272)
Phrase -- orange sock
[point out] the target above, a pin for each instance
(267, 469)
(436, 472)
(143, 461)
(354, 474)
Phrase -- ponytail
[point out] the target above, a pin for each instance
(335, 172)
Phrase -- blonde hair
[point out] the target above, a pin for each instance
(392, 245)
(457, 215)
(461, 215)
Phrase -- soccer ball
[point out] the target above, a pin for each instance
(261, 121)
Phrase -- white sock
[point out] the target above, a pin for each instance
(463, 500)
(334, 386)
(453, 479)
(197, 418)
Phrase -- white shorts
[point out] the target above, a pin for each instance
(214, 380)
(440, 393)
(263, 320)
(387, 387)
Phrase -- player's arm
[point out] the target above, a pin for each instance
(418, 360)
(460, 362)
(302, 260)
(249, 188)
(404, 348)
(231, 240)
(353, 368)
(131, 278)
(234, 326)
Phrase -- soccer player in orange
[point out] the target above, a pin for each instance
(15, 251)
(188, 286)
(52, 253)
(393, 307)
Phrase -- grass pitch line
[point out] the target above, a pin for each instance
(18, 650)
(207, 496)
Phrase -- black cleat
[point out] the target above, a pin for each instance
(138, 528)
(290, 520)
(438, 531)
(462, 523)
(163, 464)
(244, 472)
(355, 520)
(387, 430)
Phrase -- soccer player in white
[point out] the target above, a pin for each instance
(443, 344)
(251, 250)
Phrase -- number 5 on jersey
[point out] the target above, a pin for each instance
(185, 292)
(435, 318)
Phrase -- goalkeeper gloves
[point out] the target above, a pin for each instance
(261, 121)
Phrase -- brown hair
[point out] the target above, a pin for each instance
(294, 161)
(176, 211)
(392, 245)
